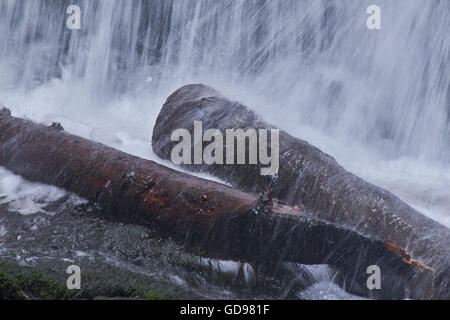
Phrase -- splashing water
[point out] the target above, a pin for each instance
(378, 101)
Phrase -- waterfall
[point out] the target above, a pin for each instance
(377, 100)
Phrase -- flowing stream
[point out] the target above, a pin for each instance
(376, 100)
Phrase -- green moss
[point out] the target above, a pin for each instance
(153, 296)
(21, 282)
(8, 288)
(39, 286)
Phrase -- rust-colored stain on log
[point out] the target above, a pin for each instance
(97, 185)
(154, 198)
(406, 257)
(285, 209)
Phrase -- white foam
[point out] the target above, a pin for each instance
(26, 197)
(3, 231)
(327, 291)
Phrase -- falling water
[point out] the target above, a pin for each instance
(377, 100)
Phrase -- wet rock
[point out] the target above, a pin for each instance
(57, 126)
(5, 112)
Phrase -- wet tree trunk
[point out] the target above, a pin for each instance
(223, 222)
(309, 179)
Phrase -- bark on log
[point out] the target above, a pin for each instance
(310, 179)
(224, 222)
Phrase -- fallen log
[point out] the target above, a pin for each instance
(224, 222)
(309, 179)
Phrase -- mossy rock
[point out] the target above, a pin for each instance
(8, 288)
(153, 296)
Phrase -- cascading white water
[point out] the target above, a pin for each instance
(377, 100)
